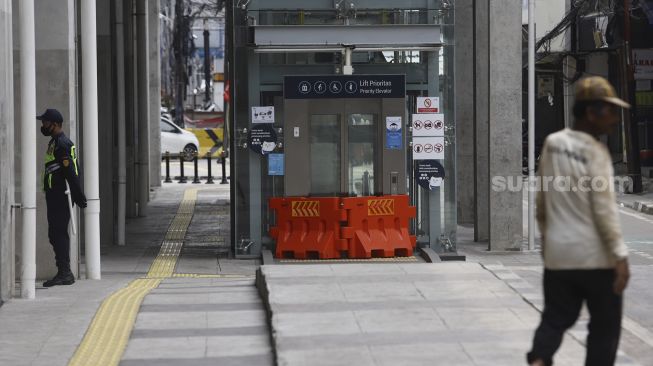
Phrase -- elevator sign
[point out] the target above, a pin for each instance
(344, 86)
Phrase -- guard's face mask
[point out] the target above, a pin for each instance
(46, 130)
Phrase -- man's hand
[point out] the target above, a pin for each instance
(622, 274)
(80, 201)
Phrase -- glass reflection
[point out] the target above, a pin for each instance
(362, 133)
(325, 154)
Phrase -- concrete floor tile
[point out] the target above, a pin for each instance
(181, 347)
(306, 324)
(234, 297)
(239, 345)
(421, 354)
(255, 360)
(366, 269)
(479, 318)
(359, 356)
(384, 291)
(294, 271)
(440, 268)
(158, 299)
(171, 320)
(205, 289)
(281, 293)
(245, 318)
(397, 320)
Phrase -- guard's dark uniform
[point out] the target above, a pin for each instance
(61, 166)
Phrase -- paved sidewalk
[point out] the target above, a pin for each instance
(201, 321)
(522, 272)
(208, 312)
(47, 330)
(401, 314)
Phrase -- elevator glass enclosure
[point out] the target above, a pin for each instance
(337, 146)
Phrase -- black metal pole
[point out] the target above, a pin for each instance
(632, 133)
(209, 179)
(180, 35)
(168, 180)
(182, 177)
(196, 178)
(207, 65)
(224, 168)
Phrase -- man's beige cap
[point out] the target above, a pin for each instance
(596, 88)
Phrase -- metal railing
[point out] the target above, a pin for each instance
(197, 178)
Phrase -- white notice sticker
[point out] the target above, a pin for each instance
(262, 114)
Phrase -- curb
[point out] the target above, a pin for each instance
(645, 207)
(264, 291)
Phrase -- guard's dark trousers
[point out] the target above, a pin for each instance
(58, 219)
(564, 293)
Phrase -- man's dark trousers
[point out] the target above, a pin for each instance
(58, 219)
(564, 293)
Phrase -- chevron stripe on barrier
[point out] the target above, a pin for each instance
(210, 140)
(305, 208)
(381, 207)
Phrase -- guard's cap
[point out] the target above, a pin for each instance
(51, 115)
(597, 88)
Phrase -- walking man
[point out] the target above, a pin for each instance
(585, 258)
(60, 168)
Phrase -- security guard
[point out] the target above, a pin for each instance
(60, 167)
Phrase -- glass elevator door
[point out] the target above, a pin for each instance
(343, 138)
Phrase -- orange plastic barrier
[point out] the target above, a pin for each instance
(308, 228)
(378, 226)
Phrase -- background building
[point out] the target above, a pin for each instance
(583, 38)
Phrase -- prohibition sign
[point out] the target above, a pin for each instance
(428, 148)
(438, 147)
(418, 148)
(438, 125)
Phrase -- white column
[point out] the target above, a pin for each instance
(7, 145)
(90, 141)
(28, 146)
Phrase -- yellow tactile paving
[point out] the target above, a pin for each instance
(109, 332)
(107, 336)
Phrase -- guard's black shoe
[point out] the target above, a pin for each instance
(60, 279)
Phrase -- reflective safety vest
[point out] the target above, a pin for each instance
(52, 165)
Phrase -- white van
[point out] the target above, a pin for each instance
(176, 140)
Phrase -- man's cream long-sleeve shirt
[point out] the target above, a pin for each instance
(576, 204)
